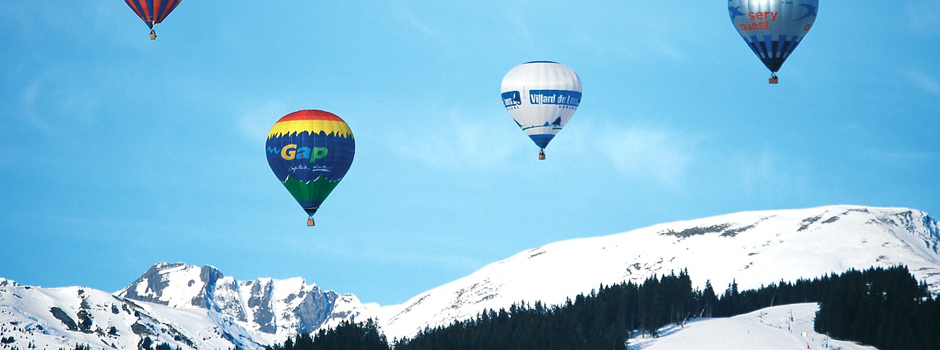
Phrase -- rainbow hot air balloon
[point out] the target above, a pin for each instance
(152, 11)
(310, 152)
(541, 96)
(773, 28)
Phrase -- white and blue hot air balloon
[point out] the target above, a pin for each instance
(773, 28)
(541, 96)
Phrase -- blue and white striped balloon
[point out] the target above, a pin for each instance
(773, 28)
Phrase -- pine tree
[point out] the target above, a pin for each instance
(709, 300)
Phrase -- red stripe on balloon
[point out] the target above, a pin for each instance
(311, 114)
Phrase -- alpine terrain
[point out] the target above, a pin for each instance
(749, 248)
(199, 308)
(177, 304)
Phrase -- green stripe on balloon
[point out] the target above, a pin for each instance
(316, 190)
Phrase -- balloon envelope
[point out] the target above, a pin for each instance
(541, 96)
(773, 28)
(310, 152)
(152, 11)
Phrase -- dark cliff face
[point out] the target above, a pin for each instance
(935, 233)
(314, 310)
(261, 302)
(5, 283)
(315, 307)
(209, 277)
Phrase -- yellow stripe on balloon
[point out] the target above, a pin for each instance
(337, 128)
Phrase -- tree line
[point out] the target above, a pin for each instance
(883, 307)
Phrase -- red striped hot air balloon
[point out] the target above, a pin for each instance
(152, 11)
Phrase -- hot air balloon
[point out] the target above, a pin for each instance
(541, 96)
(152, 11)
(310, 152)
(773, 28)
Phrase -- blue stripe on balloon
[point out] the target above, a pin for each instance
(768, 41)
(773, 53)
(334, 166)
(542, 140)
(310, 205)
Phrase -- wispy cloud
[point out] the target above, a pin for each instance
(53, 98)
(924, 81)
(462, 141)
(255, 121)
(523, 31)
(422, 28)
(659, 43)
(923, 15)
(648, 153)
(28, 111)
(758, 171)
(668, 49)
(903, 158)
(437, 251)
(765, 174)
(593, 43)
(409, 17)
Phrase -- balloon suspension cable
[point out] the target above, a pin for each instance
(541, 154)
(773, 78)
(310, 222)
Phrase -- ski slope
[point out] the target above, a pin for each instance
(765, 329)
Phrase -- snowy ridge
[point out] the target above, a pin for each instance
(750, 248)
(181, 305)
(275, 309)
(63, 317)
(154, 286)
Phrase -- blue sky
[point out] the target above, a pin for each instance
(118, 152)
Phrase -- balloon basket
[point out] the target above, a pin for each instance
(773, 79)
(153, 35)
(310, 222)
(541, 155)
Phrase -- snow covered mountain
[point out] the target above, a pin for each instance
(54, 318)
(181, 305)
(751, 248)
(277, 307)
(200, 308)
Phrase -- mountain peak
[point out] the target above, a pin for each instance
(277, 307)
(174, 284)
